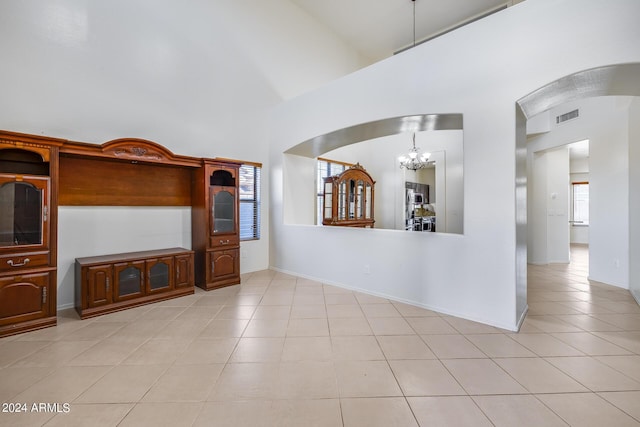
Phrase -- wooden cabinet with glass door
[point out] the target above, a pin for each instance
(348, 198)
(215, 229)
(28, 232)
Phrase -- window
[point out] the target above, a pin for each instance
(250, 201)
(326, 168)
(580, 203)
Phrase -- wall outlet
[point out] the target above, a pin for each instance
(616, 263)
(367, 269)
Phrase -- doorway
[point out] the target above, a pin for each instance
(617, 241)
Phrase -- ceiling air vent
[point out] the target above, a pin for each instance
(567, 116)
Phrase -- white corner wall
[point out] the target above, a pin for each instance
(480, 71)
(558, 205)
(548, 219)
(634, 197)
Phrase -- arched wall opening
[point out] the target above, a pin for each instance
(376, 145)
(613, 80)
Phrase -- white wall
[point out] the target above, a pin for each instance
(537, 217)
(604, 122)
(548, 218)
(472, 275)
(558, 206)
(634, 197)
(198, 77)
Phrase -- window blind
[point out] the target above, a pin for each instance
(249, 202)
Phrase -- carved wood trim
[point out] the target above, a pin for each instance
(131, 149)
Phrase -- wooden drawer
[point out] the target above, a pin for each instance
(16, 262)
(230, 240)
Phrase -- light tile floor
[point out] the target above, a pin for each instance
(285, 351)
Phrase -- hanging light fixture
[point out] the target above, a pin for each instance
(414, 160)
(414, 23)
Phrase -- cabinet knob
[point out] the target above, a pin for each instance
(25, 262)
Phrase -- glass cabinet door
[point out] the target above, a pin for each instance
(352, 199)
(22, 211)
(342, 200)
(223, 210)
(159, 276)
(368, 202)
(129, 281)
(359, 199)
(328, 200)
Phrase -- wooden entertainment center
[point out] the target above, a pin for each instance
(38, 174)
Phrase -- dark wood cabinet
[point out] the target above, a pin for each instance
(215, 226)
(184, 270)
(25, 298)
(28, 232)
(348, 198)
(224, 265)
(115, 282)
(98, 285)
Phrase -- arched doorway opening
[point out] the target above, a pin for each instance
(614, 80)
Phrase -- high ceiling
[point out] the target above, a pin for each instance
(379, 28)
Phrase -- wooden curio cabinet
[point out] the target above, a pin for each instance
(215, 226)
(348, 198)
(28, 232)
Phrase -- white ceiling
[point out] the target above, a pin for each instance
(379, 28)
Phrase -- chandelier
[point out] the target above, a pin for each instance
(414, 160)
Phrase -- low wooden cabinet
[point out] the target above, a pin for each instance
(115, 282)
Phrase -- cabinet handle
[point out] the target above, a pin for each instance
(107, 284)
(224, 242)
(25, 262)
(178, 272)
(213, 267)
(44, 295)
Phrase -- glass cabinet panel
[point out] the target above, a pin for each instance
(328, 199)
(368, 203)
(359, 199)
(223, 212)
(129, 281)
(159, 276)
(352, 199)
(21, 213)
(342, 200)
